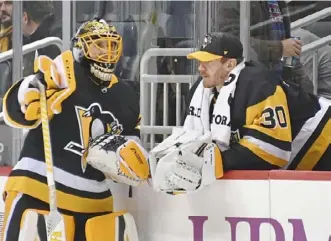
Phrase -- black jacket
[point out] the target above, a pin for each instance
(267, 50)
(48, 28)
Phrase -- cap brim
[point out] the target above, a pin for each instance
(203, 56)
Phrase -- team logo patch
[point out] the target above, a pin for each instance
(206, 41)
(92, 122)
(235, 136)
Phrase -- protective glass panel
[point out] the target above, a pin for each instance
(31, 22)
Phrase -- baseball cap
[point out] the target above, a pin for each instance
(217, 45)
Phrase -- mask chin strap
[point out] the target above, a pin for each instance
(104, 85)
(99, 82)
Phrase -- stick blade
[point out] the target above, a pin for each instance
(55, 227)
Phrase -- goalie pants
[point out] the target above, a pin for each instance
(15, 206)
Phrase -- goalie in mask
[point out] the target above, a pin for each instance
(94, 129)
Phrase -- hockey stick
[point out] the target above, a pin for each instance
(54, 221)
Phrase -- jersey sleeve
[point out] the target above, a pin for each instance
(13, 115)
(265, 141)
(133, 108)
(136, 130)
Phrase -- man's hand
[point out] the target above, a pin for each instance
(291, 47)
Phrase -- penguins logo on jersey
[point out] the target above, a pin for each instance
(207, 40)
(92, 121)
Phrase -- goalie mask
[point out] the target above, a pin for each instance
(100, 46)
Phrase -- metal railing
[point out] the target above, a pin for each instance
(326, 12)
(148, 93)
(17, 134)
(314, 47)
(28, 48)
(300, 22)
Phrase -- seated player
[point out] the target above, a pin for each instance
(255, 126)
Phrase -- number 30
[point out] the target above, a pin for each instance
(273, 117)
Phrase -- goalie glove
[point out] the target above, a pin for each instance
(119, 158)
(58, 78)
(188, 166)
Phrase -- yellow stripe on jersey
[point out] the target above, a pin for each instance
(219, 171)
(65, 201)
(138, 122)
(317, 149)
(268, 157)
(271, 116)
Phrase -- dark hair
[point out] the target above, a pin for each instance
(239, 60)
(37, 11)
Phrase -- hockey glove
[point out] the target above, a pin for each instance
(119, 158)
(192, 165)
(57, 76)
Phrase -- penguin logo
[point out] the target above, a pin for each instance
(206, 41)
(92, 121)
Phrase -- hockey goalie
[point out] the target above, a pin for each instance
(94, 136)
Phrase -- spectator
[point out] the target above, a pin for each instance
(6, 11)
(270, 36)
(323, 62)
(38, 22)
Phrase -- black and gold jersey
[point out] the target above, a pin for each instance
(311, 129)
(260, 122)
(88, 112)
(276, 124)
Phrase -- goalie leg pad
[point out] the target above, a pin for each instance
(22, 214)
(33, 224)
(118, 226)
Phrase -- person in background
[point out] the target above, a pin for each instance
(39, 22)
(271, 36)
(323, 62)
(6, 11)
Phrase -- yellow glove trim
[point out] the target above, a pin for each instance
(134, 157)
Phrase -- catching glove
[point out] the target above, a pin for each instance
(120, 159)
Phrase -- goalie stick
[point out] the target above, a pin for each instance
(54, 221)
